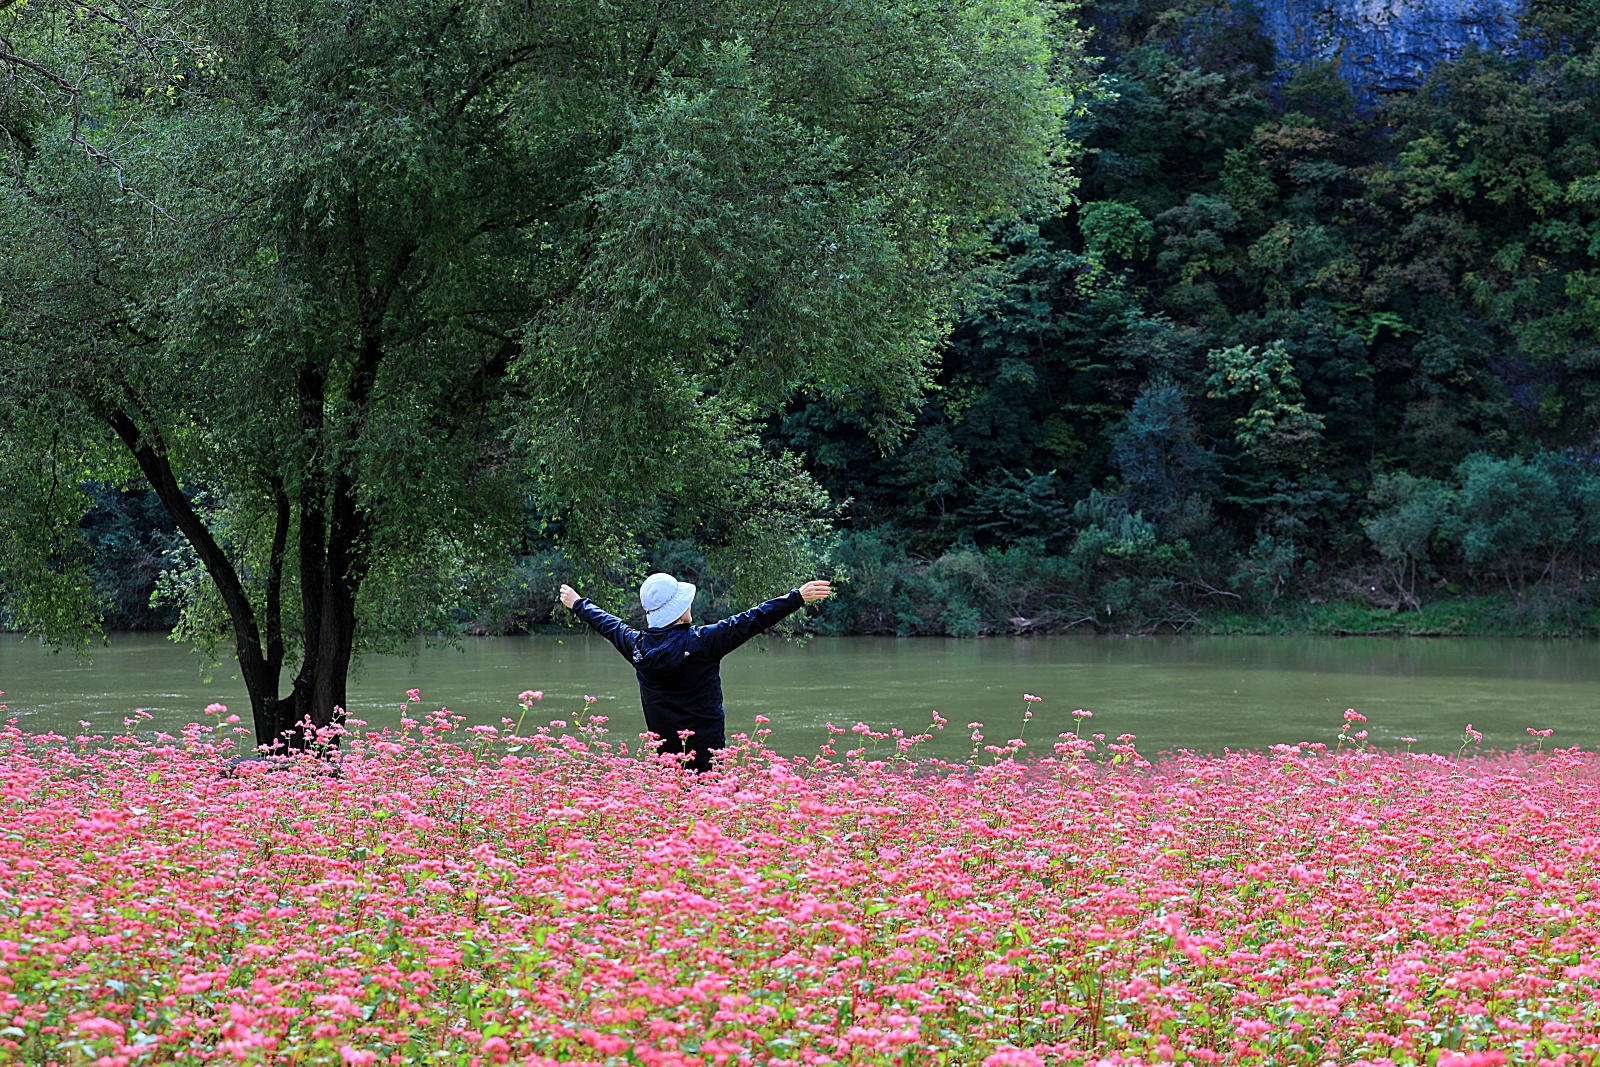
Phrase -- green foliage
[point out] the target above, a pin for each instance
(1277, 429)
(1522, 517)
(1166, 470)
(1333, 307)
(1264, 573)
(346, 285)
(1113, 231)
(45, 566)
(132, 544)
(1318, 91)
(1409, 515)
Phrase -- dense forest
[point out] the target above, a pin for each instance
(1294, 359)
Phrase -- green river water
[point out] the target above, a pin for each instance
(1198, 693)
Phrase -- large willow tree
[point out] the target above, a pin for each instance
(348, 283)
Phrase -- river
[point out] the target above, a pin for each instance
(1198, 693)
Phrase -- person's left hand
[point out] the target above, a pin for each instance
(569, 596)
(813, 591)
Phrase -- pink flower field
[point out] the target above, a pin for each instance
(465, 896)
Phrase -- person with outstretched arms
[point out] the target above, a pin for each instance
(679, 664)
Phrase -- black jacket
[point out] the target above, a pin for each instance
(680, 669)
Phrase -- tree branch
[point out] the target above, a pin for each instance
(153, 462)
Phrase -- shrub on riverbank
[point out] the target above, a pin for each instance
(452, 897)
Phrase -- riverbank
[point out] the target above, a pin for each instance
(1464, 616)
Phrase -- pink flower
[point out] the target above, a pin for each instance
(437, 840)
(587, 699)
(1352, 715)
(413, 694)
(528, 696)
(605, 1044)
(1470, 1059)
(1031, 698)
(1013, 1057)
(216, 709)
(1083, 713)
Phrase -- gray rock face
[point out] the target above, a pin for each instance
(1388, 45)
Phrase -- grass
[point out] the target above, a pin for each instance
(1464, 616)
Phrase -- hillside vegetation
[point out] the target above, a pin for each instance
(1293, 361)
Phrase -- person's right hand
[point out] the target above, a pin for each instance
(812, 591)
(569, 595)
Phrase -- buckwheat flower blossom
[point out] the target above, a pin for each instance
(527, 696)
(413, 695)
(567, 898)
(1030, 698)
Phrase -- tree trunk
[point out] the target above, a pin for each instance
(316, 698)
(258, 671)
(333, 560)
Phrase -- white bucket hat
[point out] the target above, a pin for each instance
(665, 599)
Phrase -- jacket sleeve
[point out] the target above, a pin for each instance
(723, 637)
(622, 636)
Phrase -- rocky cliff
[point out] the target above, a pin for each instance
(1387, 45)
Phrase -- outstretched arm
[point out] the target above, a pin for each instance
(721, 638)
(623, 637)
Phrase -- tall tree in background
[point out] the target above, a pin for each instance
(334, 279)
